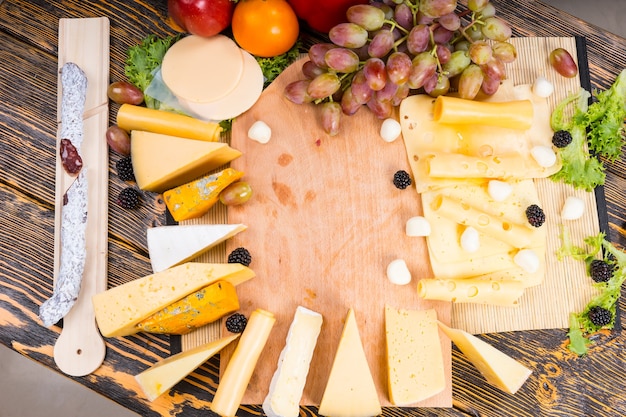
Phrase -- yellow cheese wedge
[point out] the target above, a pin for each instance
(172, 245)
(472, 290)
(238, 372)
(287, 384)
(350, 390)
(498, 368)
(202, 69)
(163, 375)
(414, 359)
(119, 309)
(162, 162)
(510, 114)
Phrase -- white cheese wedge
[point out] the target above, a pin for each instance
(414, 359)
(287, 384)
(163, 375)
(173, 245)
(350, 390)
(498, 368)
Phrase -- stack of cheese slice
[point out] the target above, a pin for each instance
(456, 148)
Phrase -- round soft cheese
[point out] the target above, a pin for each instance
(202, 69)
(245, 94)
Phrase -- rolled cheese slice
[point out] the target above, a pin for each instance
(239, 370)
(516, 114)
(472, 290)
(456, 165)
(516, 235)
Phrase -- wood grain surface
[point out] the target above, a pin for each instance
(562, 384)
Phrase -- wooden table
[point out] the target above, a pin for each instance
(561, 384)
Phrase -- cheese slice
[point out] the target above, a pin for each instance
(161, 162)
(498, 368)
(287, 384)
(173, 245)
(239, 370)
(163, 375)
(472, 290)
(119, 309)
(350, 390)
(414, 358)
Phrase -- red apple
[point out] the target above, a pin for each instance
(201, 17)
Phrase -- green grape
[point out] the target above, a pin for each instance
(437, 85)
(348, 35)
(488, 11)
(236, 193)
(462, 45)
(368, 17)
(381, 44)
(375, 73)
(496, 29)
(459, 60)
(324, 85)
(423, 67)
(470, 81)
(296, 92)
(563, 63)
(398, 67)
(331, 117)
(477, 5)
(342, 60)
(504, 51)
(480, 52)
(436, 8)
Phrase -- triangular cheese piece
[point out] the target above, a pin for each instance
(350, 390)
(162, 162)
(163, 375)
(498, 368)
(173, 245)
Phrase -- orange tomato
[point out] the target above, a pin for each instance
(265, 28)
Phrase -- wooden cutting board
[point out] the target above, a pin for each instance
(324, 222)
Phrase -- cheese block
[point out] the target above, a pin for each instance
(473, 290)
(161, 162)
(516, 114)
(163, 375)
(350, 390)
(195, 198)
(238, 372)
(195, 310)
(202, 69)
(119, 309)
(287, 384)
(172, 245)
(414, 359)
(499, 369)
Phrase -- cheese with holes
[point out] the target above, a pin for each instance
(119, 309)
(234, 381)
(483, 290)
(415, 366)
(195, 198)
(287, 384)
(163, 375)
(161, 162)
(172, 245)
(498, 368)
(350, 390)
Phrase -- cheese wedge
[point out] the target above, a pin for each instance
(414, 358)
(472, 290)
(172, 245)
(499, 369)
(350, 390)
(161, 162)
(287, 384)
(163, 375)
(239, 370)
(119, 309)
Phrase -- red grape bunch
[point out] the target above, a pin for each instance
(392, 48)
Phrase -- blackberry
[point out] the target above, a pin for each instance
(600, 270)
(125, 169)
(535, 215)
(240, 256)
(561, 138)
(599, 316)
(402, 179)
(236, 323)
(128, 198)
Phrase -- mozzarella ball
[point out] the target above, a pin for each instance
(398, 273)
(390, 130)
(418, 226)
